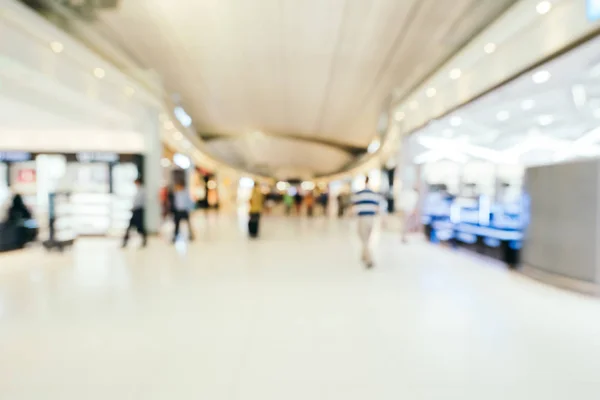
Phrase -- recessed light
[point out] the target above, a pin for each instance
(489, 48)
(177, 136)
(456, 121)
(99, 73)
(503, 115)
(431, 92)
(455, 73)
(543, 7)
(399, 116)
(527, 104)
(57, 47)
(545, 120)
(413, 105)
(541, 76)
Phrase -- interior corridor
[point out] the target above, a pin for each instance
(293, 315)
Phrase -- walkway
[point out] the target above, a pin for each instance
(293, 316)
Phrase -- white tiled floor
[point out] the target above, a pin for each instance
(293, 316)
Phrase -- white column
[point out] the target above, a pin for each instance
(152, 170)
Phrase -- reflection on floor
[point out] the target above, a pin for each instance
(292, 316)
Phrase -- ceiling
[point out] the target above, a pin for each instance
(525, 122)
(319, 70)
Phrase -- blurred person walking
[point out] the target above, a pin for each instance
(366, 206)
(257, 200)
(137, 220)
(182, 206)
(309, 201)
(288, 201)
(298, 201)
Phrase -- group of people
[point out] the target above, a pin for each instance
(310, 201)
(176, 202)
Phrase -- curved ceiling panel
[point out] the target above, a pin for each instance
(279, 157)
(318, 68)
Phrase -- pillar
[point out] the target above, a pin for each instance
(152, 174)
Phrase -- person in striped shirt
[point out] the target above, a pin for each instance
(366, 206)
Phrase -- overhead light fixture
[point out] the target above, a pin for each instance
(489, 48)
(99, 73)
(456, 121)
(545, 120)
(431, 92)
(455, 73)
(399, 116)
(374, 146)
(543, 7)
(177, 136)
(503, 115)
(527, 104)
(57, 47)
(413, 105)
(541, 76)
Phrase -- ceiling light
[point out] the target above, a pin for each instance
(545, 120)
(430, 92)
(413, 105)
(455, 73)
(57, 47)
(399, 116)
(527, 104)
(543, 7)
(456, 121)
(503, 115)
(374, 146)
(541, 76)
(99, 73)
(177, 136)
(489, 48)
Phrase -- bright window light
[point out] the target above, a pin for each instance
(181, 161)
(503, 115)
(430, 92)
(543, 7)
(541, 76)
(489, 48)
(455, 73)
(456, 121)
(308, 185)
(527, 104)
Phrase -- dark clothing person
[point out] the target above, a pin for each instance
(182, 205)
(17, 215)
(137, 220)
(18, 211)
